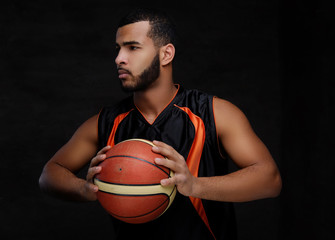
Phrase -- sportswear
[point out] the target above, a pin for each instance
(187, 124)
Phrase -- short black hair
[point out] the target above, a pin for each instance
(162, 28)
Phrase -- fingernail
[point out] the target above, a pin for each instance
(155, 148)
(164, 182)
(95, 188)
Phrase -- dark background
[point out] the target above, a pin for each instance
(273, 59)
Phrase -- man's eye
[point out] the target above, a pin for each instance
(133, 47)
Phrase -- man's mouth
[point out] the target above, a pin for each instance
(123, 73)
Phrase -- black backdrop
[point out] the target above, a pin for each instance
(272, 59)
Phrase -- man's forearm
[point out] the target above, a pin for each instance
(247, 184)
(62, 183)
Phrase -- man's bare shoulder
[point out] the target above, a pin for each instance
(228, 116)
(89, 127)
(227, 109)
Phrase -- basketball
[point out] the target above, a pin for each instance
(129, 183)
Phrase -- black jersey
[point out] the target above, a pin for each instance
(187, 124)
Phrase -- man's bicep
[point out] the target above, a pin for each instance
(237, 136)
(80, 149)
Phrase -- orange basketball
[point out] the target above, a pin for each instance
(129, 183)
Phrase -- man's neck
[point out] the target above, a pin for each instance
(152, 101)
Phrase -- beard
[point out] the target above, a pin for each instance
(146, 78)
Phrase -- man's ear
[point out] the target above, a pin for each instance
(167, 53)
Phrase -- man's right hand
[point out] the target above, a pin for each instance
(90, 189)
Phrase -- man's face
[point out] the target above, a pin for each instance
(137, 60)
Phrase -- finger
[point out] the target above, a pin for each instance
(168, 182)
(104, 150)
(167, 151)
(160, 144)
(92, 172)
(97, 159)
(100, 156)
(160, 147)
(166, 163)
(90, 191)
(92, 188)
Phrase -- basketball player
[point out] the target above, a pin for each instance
(195, 131)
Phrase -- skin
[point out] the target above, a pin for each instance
(136, 79)
(257, 178)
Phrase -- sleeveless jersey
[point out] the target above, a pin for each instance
(188, 125)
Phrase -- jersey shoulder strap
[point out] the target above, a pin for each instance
(107, 116)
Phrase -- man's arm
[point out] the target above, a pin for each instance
(257, 178)
(58, 177)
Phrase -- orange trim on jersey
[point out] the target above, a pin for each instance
(193, 159)
(97, 122)
(178, 86)
(116, 124)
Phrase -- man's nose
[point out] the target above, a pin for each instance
(121, 58)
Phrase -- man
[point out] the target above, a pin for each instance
(195, 131)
